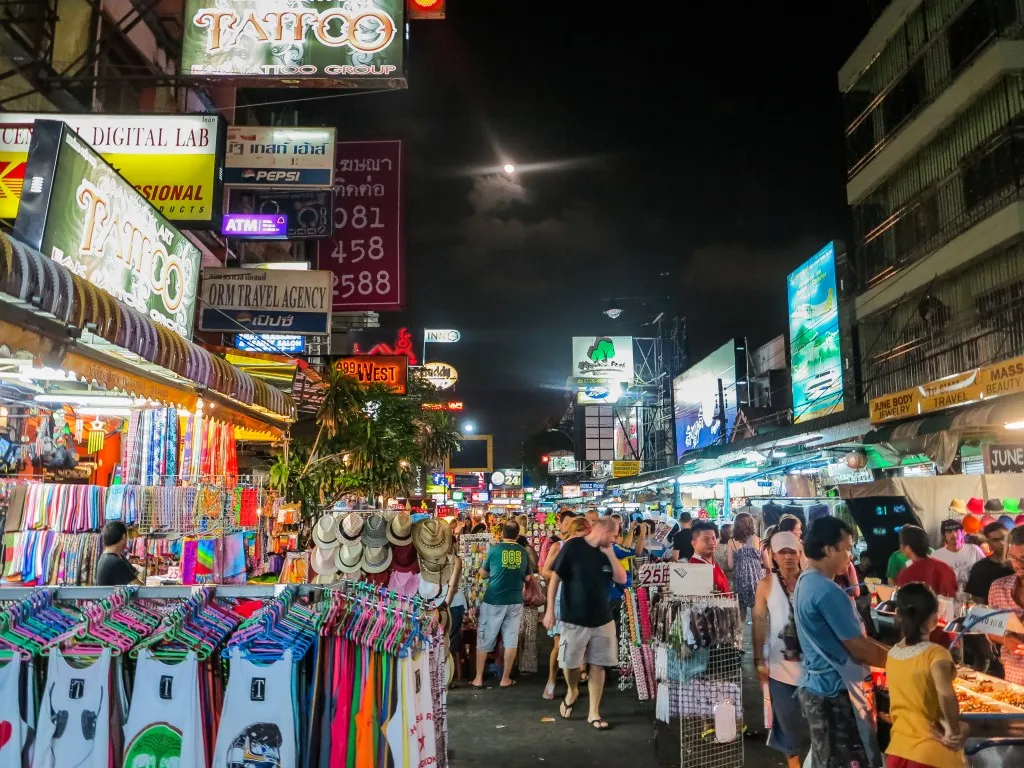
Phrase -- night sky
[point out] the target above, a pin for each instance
(706, 144)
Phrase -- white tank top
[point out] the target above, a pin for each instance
(257, 725)
(163, 722)
(74, 719)
(14, 730)
(424, 732)
(778, 616)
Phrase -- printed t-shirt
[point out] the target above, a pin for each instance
(914, 705)
(1000, 596)
(586, 575)
(960, 561)
(826, 617)
(937, 575)
(507, 565)
(114, 571)
(982, 575)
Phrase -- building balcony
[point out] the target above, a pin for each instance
(923, 79)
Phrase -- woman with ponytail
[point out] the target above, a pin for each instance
(927, 731)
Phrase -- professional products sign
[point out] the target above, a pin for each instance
(77, 210)
(288, 157)
(328, 43)
(697, 408)
(815, 351)
(391, 371)
(307, 212)
(602, 358)
(366, 253)
(172, 160)
(266, 301)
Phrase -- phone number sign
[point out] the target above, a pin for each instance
(366, 253)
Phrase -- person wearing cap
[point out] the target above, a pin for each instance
(960, 557)
(927, 570)
(776, 660)
(505, 568)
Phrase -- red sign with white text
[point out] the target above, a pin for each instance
(366, 253)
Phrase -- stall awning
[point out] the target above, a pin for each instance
(110, 333)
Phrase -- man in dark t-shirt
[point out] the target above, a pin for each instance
(993, 567)
(586, 568)
(113, 569)
(682, 542)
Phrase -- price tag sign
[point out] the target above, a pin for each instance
(652, 575)
(366, 253)
(992, 625)
(691, 579)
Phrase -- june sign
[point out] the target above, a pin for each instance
(76, 209)
(329, 43)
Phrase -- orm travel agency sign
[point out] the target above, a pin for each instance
(76, 209)
(296, 42)
(266, 301)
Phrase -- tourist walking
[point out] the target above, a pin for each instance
(744, 559)
(586, 568)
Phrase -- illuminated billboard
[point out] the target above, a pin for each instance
(816, 359)
(697, 412)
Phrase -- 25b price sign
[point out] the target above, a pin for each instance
(366, 254)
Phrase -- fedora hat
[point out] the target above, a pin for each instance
(438, 570)
(400, 529)
(958, 507)
(432, 538)
(348, 557)
(376, 559)
(322, 561)
(375, 531)
(993, 505)
(352, 526)
(325, 532)
(976, 505)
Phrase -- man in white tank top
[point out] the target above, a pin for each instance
(776, 649)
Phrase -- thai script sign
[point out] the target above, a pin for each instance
(266, 301)
(295, 158)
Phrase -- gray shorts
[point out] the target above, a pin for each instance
(495, 619)
(588, 645)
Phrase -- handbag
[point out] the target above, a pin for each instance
(533, 593)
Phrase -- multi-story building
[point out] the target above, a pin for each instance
(934, 102)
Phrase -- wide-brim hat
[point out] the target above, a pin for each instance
(436, 570)
(958, 507)
(325, 532)
(322, 560)
(376, 559)
(404, 558)
(351, 527)
(326, 579)
(349, 557)
(428, 590)
(375, 532)
(432, 538)
(400, 529)
(976, 505)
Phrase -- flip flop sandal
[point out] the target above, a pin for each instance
(507, 686)
(565, 708)
(599, 724)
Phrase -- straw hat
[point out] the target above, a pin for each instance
(432, 539)
(958, 507)
(352, 526)
(375, 531)
(376, 559)
(322, 560)
(349, 557)
(438, 571)
(400, 529)
(326, 579)
(325, 532)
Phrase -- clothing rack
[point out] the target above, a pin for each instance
(235, 591)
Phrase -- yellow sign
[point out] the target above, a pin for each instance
(975, 385)
(625, 468)
(170, 159)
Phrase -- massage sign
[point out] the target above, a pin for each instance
(353, 43)
(76, 209)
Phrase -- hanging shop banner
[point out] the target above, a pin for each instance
(441, 375)
(312, 43)
(625, 468)
(985, 383)
(266, 301)
(76, 209)
(307, 212)
(172, 160)
(815, 351)
(390, 370)
(271, 343)
(609, 358)
(284, 156)
(116, 380)
(366, 253)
